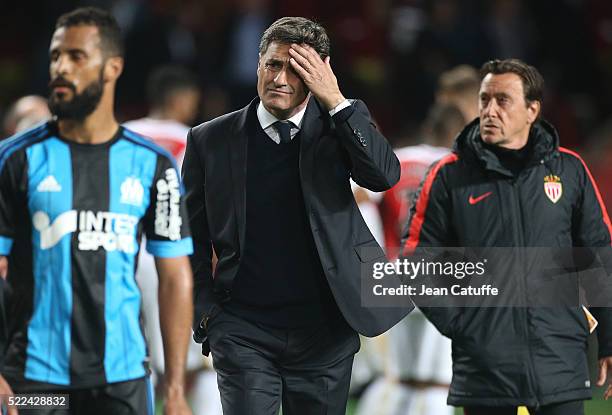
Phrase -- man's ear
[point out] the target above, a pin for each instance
(113, 68)
(533, 110)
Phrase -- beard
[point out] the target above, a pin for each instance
(81, 105)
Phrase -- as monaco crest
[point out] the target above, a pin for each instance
(553, 187)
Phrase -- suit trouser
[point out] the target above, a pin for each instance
(564, 408)
(258, 366)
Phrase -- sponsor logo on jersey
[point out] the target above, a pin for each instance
(107, 230)
(132, 191)
(51, 233)
(49, 184)
(167, 209)
(553, 187)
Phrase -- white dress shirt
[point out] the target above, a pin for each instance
(267, 120)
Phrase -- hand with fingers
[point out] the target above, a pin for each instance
(605, 372)
(317, 74)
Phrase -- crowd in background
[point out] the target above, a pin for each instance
(391, 52)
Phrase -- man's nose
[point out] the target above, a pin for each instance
(490, 109)
(281, 77)
(62, 65)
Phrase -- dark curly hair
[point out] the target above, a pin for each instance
(111, 42)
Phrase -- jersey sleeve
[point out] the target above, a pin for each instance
(166, 223)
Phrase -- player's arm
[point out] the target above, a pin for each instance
(374, 165)
(175, 316)
(169, 241)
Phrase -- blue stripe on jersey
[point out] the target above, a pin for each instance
(145, 142)
(14, 143)
(170, 249)
(8, 147)
(131, 173)
(53, 221)
(5, 245)
(138, 139)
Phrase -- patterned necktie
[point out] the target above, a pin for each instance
(284, 131)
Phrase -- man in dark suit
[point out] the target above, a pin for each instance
(268, 187)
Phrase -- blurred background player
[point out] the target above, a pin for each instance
(422, 354)
(443, 123)
(26, 112)
(413, 359)
(173, 94)
(459, 86)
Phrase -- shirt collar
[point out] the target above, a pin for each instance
(266, 119)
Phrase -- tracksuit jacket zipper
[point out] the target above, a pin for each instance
(525, 310)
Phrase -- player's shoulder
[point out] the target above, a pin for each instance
(24, 139)
(144, 142)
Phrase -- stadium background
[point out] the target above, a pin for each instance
(387, 52)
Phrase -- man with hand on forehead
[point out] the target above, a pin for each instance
(268, 189)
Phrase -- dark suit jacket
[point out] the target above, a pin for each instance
(214, 175)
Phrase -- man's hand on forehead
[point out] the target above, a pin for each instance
(316, 73)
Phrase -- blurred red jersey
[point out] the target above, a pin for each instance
(168, 134)
(396, 202)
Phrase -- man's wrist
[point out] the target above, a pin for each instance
(174, 388)
(333, 104)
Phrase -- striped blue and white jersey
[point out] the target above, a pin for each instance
(71, 219)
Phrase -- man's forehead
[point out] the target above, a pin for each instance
(80, 36)
(277, 50)
(505, 82)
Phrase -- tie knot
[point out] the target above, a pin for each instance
(284, 131)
